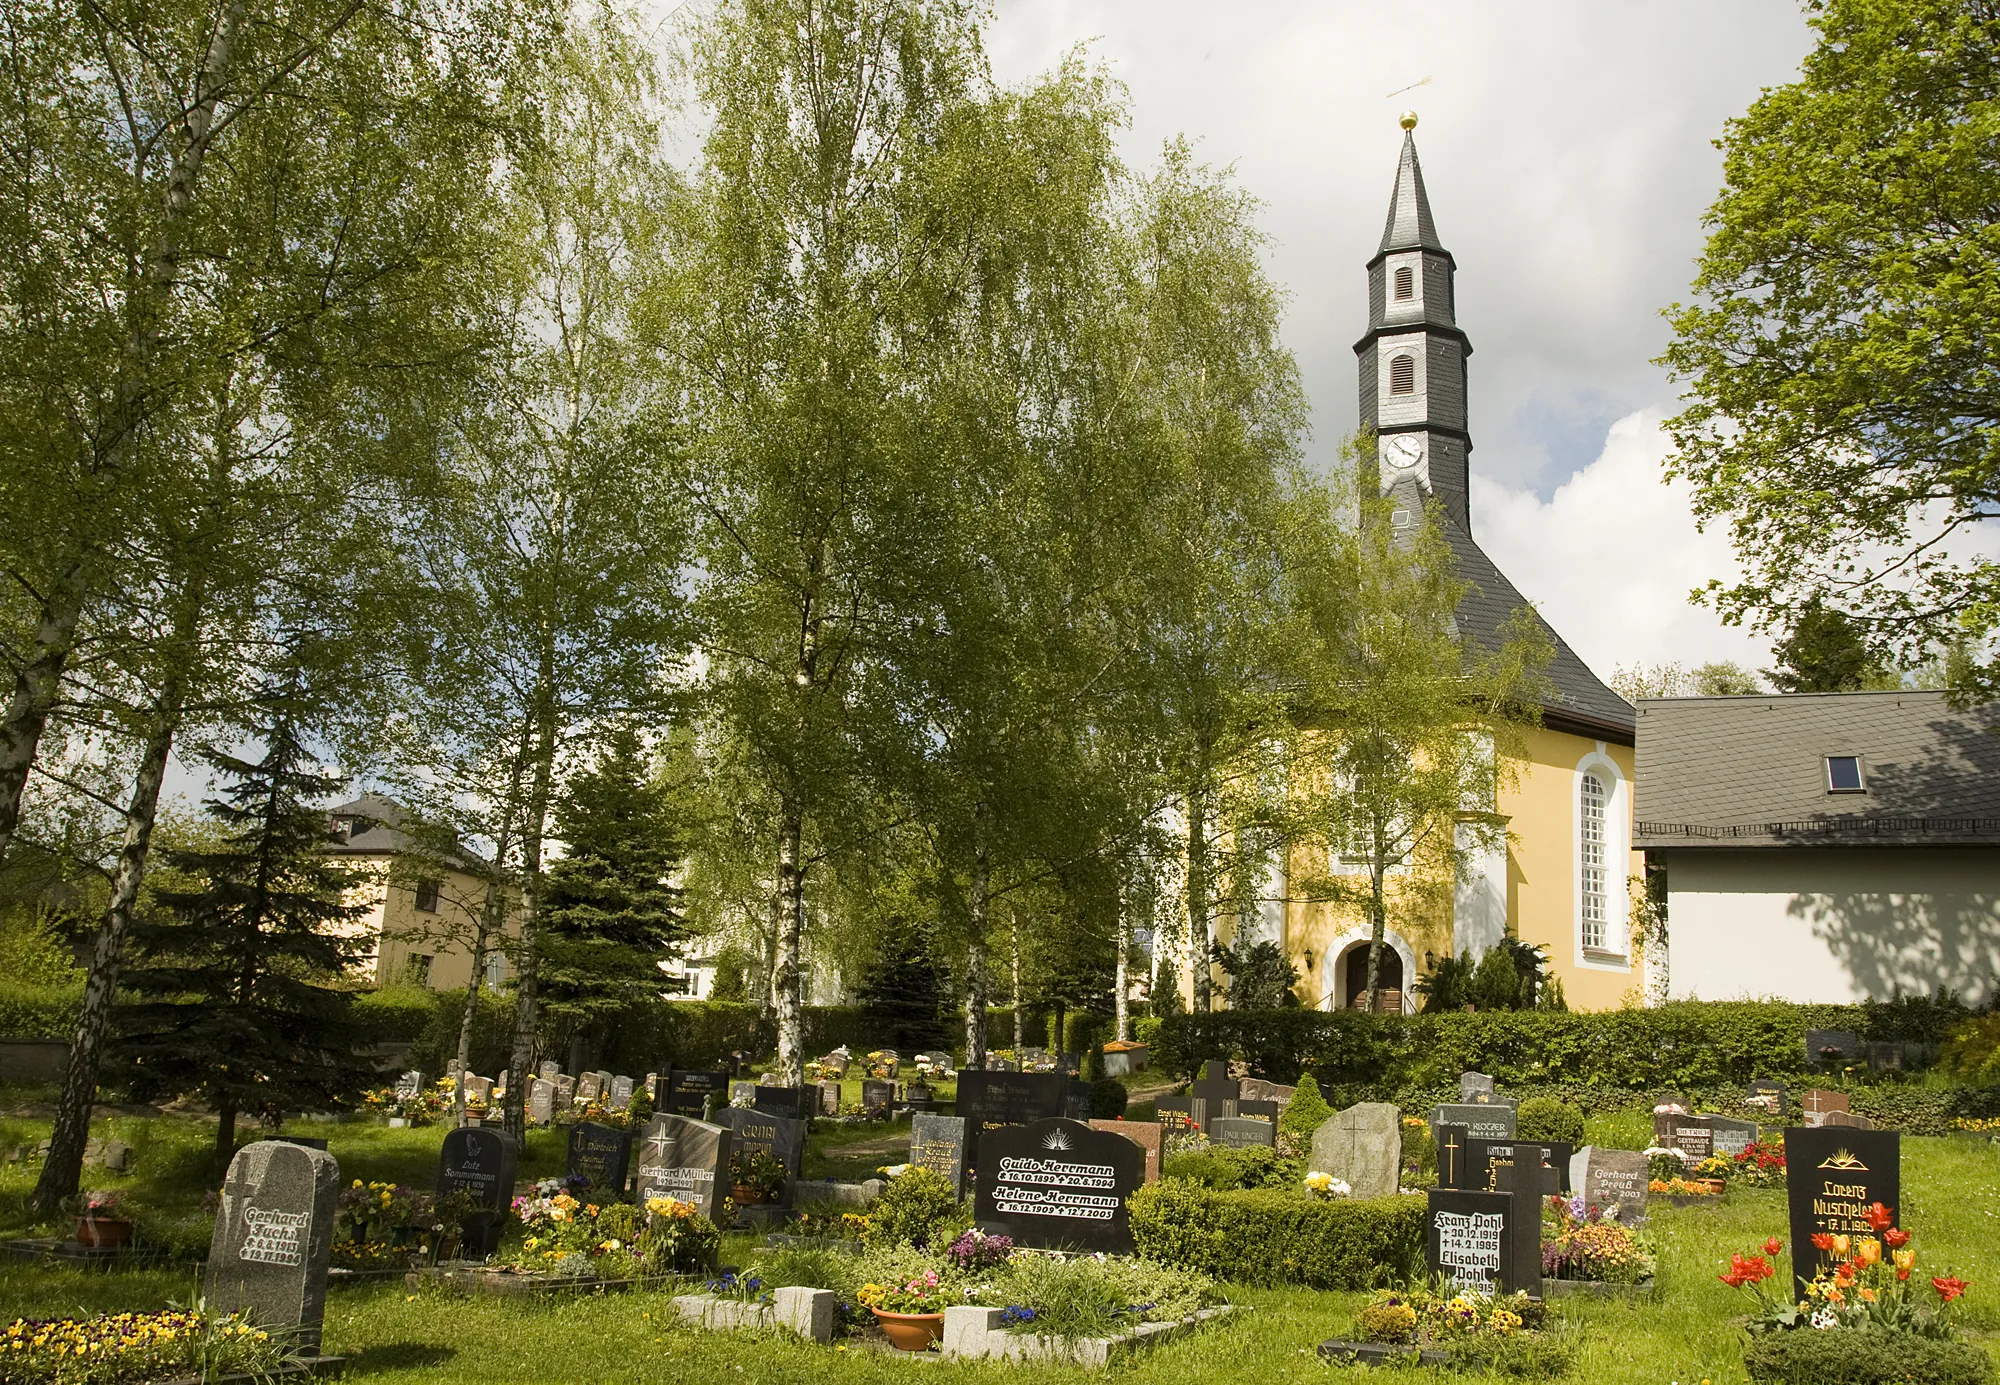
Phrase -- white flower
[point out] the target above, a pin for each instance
(897, 1170)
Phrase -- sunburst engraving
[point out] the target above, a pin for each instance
(1056, 1139)
(1844, 1161)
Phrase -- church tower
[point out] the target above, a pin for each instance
(1413, 356)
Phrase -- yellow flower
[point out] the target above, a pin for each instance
(1904, 1258)
(1869, 1252)
(1841, 1245)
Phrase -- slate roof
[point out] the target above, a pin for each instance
(383, 834)
(1579, 701)
(1751, 771)
(1409, 226)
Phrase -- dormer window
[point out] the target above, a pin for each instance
(1402, 375)
(1843, 774)
(1406, 287)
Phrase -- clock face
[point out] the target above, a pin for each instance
(1404, 451)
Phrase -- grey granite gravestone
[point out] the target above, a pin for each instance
(1362, 1146)
(1612, 1178)
(1469, 1239)
(479, 1163)
(548, 1070)
(743, 1093)
(600, 1154)
(1482, 1120)
(541, 1101)
(780, 1137)
(588, 1088)
(1846, 1120)
(1240, 1132)
(1732, 1136)
(274, 1237)
(684, 1159)
(829, 1098)
(937, 1143)
(1473, 1085)
(410, 1084)
(876, 1096)
(478, 1090)
(1453, 1148)
(621, 1091)
(1148, 1135)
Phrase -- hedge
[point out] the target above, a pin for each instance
(1845, 1356)
(1267, 1236)
(39, 1012)
(1683, 1044)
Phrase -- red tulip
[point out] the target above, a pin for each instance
(1949, 1287)
(1895, 1238)
(1880, 1218)
(1822, 1240)
(1773, 1246)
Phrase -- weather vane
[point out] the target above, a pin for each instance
(1411, 87)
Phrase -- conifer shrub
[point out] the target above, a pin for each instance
(1545, 1118)
(1305, 1113)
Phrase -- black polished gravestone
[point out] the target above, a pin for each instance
(1528, 1186)
(789, 1102)
(1769, 1097)
(1266, 1111)
(1469, 1239)
(1452, 1143)
(876, 1097)
(1483, 1121)
(600, 1154)
(1216, 1087)
(1827, 1049)
(989, 1100)
(1694, 1137)
(782, 1139)
(691, 1091)
(273, 1238)
(1239, 1132)
(1174, 1113)
(479, 1163)
(1076, 1100)
(1058, 1185)
(687, 1160)
(1833, 1175)
(1485, 1158)
(937, 1143)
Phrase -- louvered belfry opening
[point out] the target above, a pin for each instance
(1402, 375)
(1405, 284)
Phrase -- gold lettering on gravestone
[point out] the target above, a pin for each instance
(276, 1238)
(1842, 1207)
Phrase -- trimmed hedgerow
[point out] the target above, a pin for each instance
(1269, 1236)
(1684, 1044)
(30, 1011)
(1843, 1356)
(1545, 1118)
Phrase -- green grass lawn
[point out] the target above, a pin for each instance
(1686, 1334)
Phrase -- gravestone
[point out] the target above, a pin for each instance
(689, 1090)
(1612, 1178)
(789, 1102)
(600, 1154)
(1555, 1165)
(1846, 1120)
(410, 1084)
(1076, 1100)
(1003, 1064)
(1827, 1049)
(836, 1062)
(1239, 1132)
(565, 1093)
(1732, 1136)
(1694, 1138)
(309, 1141)
(651, 1087)
(588, 1089)
(1266, 1111)
(480, 1163)
(937, 1143)
(273, 1238)
(828, 1094)
(1818, 1104)
(876, 1097)
(988, 1100)
(1216, 1087)
(687, 1160)
(1452, 1143)
(781, 1138)
(1148, 1135)
(1259, 1089)
(541, 1101)
(1469, 1239)
(1474, 1085)
(743, 1094)
(1665, 1123)
(1482, 1121)
(1485, 1158)
(478, 1090)
(1058, 1185)
(1768, 1096)
(549, 1070)
(1362, 1146)
(1526, 1180)
(1833, 1175)
(621, 1092)
(1174, 1113)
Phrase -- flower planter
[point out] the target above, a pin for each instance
(910, 1331)
(103, 1233)
(746, 1196)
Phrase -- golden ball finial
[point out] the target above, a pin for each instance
(1409, 120)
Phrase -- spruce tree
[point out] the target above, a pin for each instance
(612, 913)
(241, 991)
(905, 994)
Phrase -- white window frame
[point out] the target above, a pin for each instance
(1616, 954)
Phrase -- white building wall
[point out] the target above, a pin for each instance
(1832, 924)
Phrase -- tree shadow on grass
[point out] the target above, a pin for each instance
(397, 1356)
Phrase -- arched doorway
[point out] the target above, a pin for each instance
(1389, 979)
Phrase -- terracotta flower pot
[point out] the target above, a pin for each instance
(910, 1331)
(103, 1233)
(747, 1196)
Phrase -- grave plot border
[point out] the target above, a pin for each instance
(974, 1333)
(782, 1240)
(1342, 1353)
(1598, 1288)
(482, 1280)
(806, 1312)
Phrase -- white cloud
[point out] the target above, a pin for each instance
(1610, 557)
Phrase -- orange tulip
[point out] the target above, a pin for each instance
(1868, 1252)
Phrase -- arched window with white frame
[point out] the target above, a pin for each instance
(1591, 864)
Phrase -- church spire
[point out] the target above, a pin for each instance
(1409, 226)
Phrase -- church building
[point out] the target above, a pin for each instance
(1562, 879)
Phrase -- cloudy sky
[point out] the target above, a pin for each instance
(1567, 149)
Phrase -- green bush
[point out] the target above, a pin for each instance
(28, 1011)
(1545, 1118)
(1265, 1236)
(1146, 1029)
(1843, 1356)
(1108, 1098)
(1305, 1112)
(918, 1208)
(400, 1014)
(1224, 1168)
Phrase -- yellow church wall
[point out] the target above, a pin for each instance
(1318, 931)
(1544, 870)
